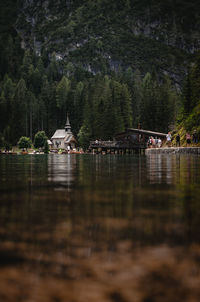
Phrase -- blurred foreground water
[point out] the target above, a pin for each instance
(81, 228)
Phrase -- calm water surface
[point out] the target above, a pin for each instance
(61, 213)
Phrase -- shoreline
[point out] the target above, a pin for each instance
(173, 150)
(162, 150)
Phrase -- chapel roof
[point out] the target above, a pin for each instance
(60, 133)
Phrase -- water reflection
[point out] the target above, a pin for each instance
(173, 169)
(97, 228)
(61, 170)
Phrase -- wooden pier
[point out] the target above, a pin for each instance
(115, 147)
(129, 142)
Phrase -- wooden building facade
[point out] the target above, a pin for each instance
(130, 141)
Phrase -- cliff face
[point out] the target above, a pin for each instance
(106, 35)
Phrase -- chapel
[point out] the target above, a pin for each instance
(64, 138)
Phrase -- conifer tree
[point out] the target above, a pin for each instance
(78, 98)
(148, 105)
(27, 61)
(7, 96)
(19, 110)
(118, 121)
(136, 98)
(195, 82)
(165, 106)
(108, 118)
(53, 69)
(85, 133)
(98, 101)
(62, 94)
(187, 94)
(126, 106)
(49, 112)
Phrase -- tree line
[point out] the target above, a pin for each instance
(99, 105)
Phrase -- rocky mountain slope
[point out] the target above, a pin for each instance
(106, 35)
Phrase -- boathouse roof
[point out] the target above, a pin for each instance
(142, 131)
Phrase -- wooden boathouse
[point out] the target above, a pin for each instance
(130, 141)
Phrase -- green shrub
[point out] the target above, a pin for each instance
(24, 142)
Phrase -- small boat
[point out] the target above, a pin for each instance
(24, 152)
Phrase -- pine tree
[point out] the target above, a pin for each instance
(36, 81)
(108, 125)
(78, 98)
(187, 94)
(148, 104)
(53, 72)
(126, 106)
(195, 82)
(27, 61)
(50, 109)
(19, 111)
(98, 102)
(165, 106)
(118, 120)
(32, 114)
(136, 98)
(62, 93)
(7, 96)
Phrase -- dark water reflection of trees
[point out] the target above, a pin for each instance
(95, 228)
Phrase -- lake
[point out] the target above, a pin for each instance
(101, 228)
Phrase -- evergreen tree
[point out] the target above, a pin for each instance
(62, 97)
(46, 147)
(195, 83)
(187, 94)
(7, 96)
(148, 103)
(128, 77)
(118, 119)
(53, 72)
(49, 105)
(32, 114)
(78, 105)
(40, 66)
(19, 111)
(35, 80)
(27, 61)
(98, 102)
(84, 136)
(40, 139)
(3, 112)
(165, 106)
(137, 98)
(108, 126)
(126, 106)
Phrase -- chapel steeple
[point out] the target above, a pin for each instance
(67, 125)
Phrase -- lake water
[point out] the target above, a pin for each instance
(99, 228)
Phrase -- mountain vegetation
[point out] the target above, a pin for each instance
(108, 64)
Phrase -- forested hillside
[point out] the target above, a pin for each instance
(109, 64)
